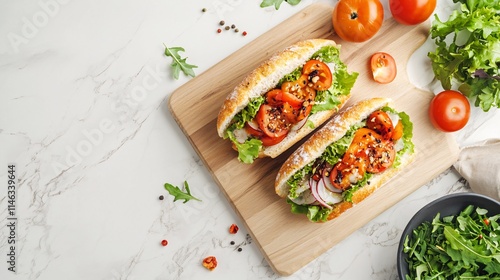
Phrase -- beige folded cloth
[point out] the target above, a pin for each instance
(479, 164)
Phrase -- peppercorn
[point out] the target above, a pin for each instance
(236, 30)
(232, 243)
(204, 10)
(222, 22)
(219, 30)
(164, 242)
(240, 249)
(161, 197)
(233, 26)
(245, 33)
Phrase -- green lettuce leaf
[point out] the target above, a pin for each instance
(468, 51)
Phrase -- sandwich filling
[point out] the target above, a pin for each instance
(313, 87)
(369, 147)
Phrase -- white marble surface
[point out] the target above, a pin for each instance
(84, 87)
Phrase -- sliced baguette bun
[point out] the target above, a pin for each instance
(264, 78)
(329, 133)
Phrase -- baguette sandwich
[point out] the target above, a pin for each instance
(346, 160)
(284, 99)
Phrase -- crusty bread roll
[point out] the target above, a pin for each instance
(332, 131)
(266, 77)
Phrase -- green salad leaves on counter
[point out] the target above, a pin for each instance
(177, 193)
(277, 3)
(178, 63)
(468, 51)
(465, 246)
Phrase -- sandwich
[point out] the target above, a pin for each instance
(284, 99)
(346, 160)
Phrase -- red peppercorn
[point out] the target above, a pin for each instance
(233, 229)
(219, 30)
(245, 33)
(164, 242)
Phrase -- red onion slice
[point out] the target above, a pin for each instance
(253, 124)
(314, 190)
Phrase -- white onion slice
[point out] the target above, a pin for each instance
(305, 198)
(253, 124)
(328, 196)
(326, 181)
(299, 125)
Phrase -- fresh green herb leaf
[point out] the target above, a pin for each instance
(455, 247)
(468, 51)
(179, 64)
(179, 194)
(277, 3)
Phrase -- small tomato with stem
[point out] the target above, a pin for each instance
(449, 111)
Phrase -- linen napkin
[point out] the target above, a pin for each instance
(479, 164)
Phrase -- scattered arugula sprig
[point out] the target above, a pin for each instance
(464, 246)
(177, 193)
(179, 64)
(277, 3)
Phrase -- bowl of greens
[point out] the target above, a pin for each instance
(456, 236)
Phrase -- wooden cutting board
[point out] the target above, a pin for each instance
(290, 241)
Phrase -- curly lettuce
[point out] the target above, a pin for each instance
(333, 154)
(468, 51)
(342, 83)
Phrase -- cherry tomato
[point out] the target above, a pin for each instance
(381, 123)
(411, 12)
(398, 132)
(344, 174)
(318, 74)
(270, 141)
(357, 20)
(274, 97)
(380, 155)
(272, 121)
(295, 94)
(449, 111)
(383, 67)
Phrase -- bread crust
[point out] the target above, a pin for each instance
(264, 78)
(332, 131)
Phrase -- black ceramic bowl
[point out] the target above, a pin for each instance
(447, 205)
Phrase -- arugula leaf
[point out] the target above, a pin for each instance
(179, 64)
(179, 194)
(277, 3)
(455, 247)
(468, 51)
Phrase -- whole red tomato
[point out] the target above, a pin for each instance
(357, 20)
(449, 111)
(411, 12)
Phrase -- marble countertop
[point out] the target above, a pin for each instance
(84, 87)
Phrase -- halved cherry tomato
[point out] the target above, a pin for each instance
(344, 174)
(272, 121)
(380, 155)
(398, 132)
(412, 12)
(383, 67)
(296, 92)
(449, 110)
(318, 74)
(381, 123)
(274, 97)
(357, 20)
(270, 141)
